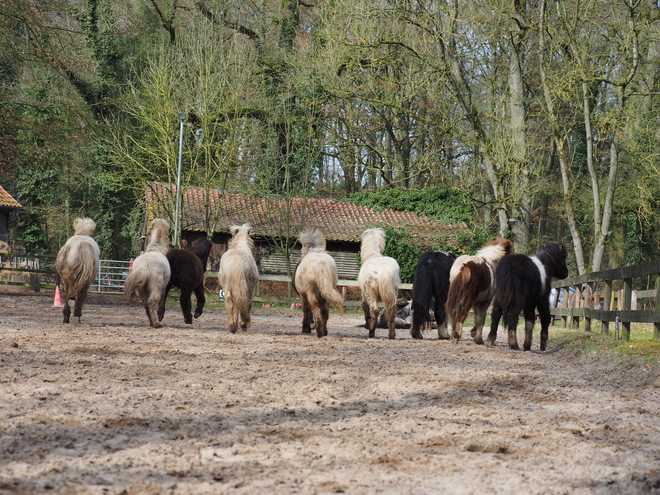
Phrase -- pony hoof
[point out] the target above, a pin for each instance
(514, 347)
(372, 335)
(479, 341)
(188, 321)
(489, 343)
(455, 340)
(197, 314)
(417, 337)
(443, 337)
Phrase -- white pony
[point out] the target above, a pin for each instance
(315, 278)
(238, 276)
(378, 280)
(77, 265)
(148, 280)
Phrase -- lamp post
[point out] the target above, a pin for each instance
(182, 117)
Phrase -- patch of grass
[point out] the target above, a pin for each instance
(640, 349)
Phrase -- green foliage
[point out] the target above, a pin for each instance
(439, 202)
(471, 241)
(406, 249)
(632, 249)
(398, 245)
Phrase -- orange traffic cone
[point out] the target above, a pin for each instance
(58, 298)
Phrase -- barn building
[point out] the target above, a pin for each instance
(8, 207)
(211, 212)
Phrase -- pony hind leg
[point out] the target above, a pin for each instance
(244, 311)
(456, 331)
(201, 300)
(77, 307)
(370, 317)
(480, 311)
(441, 320)
(495, 322)
(530, 321)
(307, 315)
(66, 310)
(150, 302)
(186, 305)
(390, 314)
(511, 326)
(544, 314)
(232, 313)
(320, 312)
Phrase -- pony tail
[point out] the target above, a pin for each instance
(505, 287)
(328, 291)
(85, 265)
(134, 282)
(458, 290)
(422, 294)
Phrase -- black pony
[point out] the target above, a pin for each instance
(430, 288)
(188, 266)
(522, 283)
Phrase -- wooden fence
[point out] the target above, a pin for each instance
(609, 297)
(342, 284)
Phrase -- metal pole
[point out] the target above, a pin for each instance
(182, 117)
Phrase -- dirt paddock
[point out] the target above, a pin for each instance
(112, 406)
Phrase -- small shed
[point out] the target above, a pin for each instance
(8, 206)
(211, 212)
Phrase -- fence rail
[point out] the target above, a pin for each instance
(608, 296)
(38, 272)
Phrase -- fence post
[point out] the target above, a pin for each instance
(589, 304)
(577, 304)
(656, 325)
(567, 295)
(627, 299)
(607, 302)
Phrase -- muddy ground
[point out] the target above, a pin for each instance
(112, 406)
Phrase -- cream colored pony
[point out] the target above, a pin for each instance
(238, 276)
(77, 264)
(315, 279)
(148, 280)
(378, 280)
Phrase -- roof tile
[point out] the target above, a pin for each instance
(216, 211)
(6, 199)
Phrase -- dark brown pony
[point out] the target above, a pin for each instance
(472, 285)
(187, 267)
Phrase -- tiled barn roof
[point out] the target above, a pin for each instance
(7, 200)
(339, 221)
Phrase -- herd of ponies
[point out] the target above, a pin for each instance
(445, 285)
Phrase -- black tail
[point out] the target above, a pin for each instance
(422, 294)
